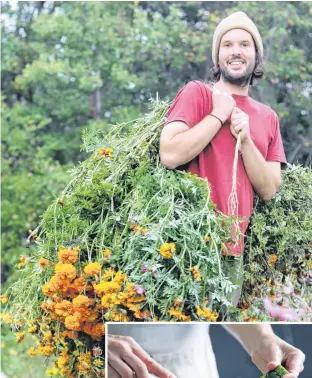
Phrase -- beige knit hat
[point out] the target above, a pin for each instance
(237, 20)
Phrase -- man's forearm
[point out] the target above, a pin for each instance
(258, 172)
(249, 335)
(185, 146)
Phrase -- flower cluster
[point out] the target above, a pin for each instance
(272, 259)
(78, 301)
(206, 314)
(167, 250)
(178, 315)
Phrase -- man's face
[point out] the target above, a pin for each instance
(237, 57)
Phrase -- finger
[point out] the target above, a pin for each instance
(152, 366)
(136, 364)
(111, 373)
(294, 362)
(120, 366)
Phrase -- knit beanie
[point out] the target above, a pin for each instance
(237, 20)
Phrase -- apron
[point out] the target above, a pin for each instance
(183, 349)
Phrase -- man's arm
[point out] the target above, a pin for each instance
(267, 350)
(179, 144)
(264, 176)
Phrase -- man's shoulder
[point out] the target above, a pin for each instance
(262, 107)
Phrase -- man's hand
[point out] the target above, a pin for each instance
(240, 125)
(127, 359)
(222, 104)
(271, 351)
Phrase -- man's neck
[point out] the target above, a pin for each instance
(223, 86)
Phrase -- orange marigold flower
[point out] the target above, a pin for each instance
(272, 259)
(196, 273)
(43, 263)
(51, 287)
(20, 336)
(70, 334)
(67, 255)
(167, 250)
(81, 301)
(72, 322)
(96, 330)
(120, 277)
(65, 271)
(110, 300)
(92, 269)
(63, 308)
(251, 319)
(106, 288)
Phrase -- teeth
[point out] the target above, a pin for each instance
(236, 63)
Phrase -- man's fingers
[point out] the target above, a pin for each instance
(111, 373)
(120, 366)
(294, 363)
(152, 366)
(136, 364)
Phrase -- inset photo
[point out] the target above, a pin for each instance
(191, 350)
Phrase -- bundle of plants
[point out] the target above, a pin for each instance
(278, 372)
(126, 240)
(278, 256)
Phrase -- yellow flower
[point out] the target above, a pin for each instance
(106, 288)
(46, 350)
(6, 317)
(167, 250)
(4, 299)
(105, 152)
(107, 253)
(20, 336)
(207, 314)
(23, 261)
(53, 371)
(207, 239)
(32, 352)
(47, 336)
(32, 329)
(81, 301)
(92, 269)
(179, 315)
(98, 362)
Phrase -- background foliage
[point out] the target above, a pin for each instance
(67, 66)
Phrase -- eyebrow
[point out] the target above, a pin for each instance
(245, 40)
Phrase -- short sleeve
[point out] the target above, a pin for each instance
(276, 150)
(188, 105)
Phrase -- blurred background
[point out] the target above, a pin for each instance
(67, 66)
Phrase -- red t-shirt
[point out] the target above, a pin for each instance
(194, 102)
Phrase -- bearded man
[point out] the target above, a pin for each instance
(204, 122)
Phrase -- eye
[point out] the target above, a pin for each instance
(245, 44)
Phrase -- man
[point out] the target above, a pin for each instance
(185, 351)
(203, 125)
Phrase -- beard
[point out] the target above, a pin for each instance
(241, 80)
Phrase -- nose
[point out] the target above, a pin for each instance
(236, 49)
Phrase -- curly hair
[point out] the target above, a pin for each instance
(258, 72)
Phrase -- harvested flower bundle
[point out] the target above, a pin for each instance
(130, 240)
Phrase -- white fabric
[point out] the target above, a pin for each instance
(184, 349)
